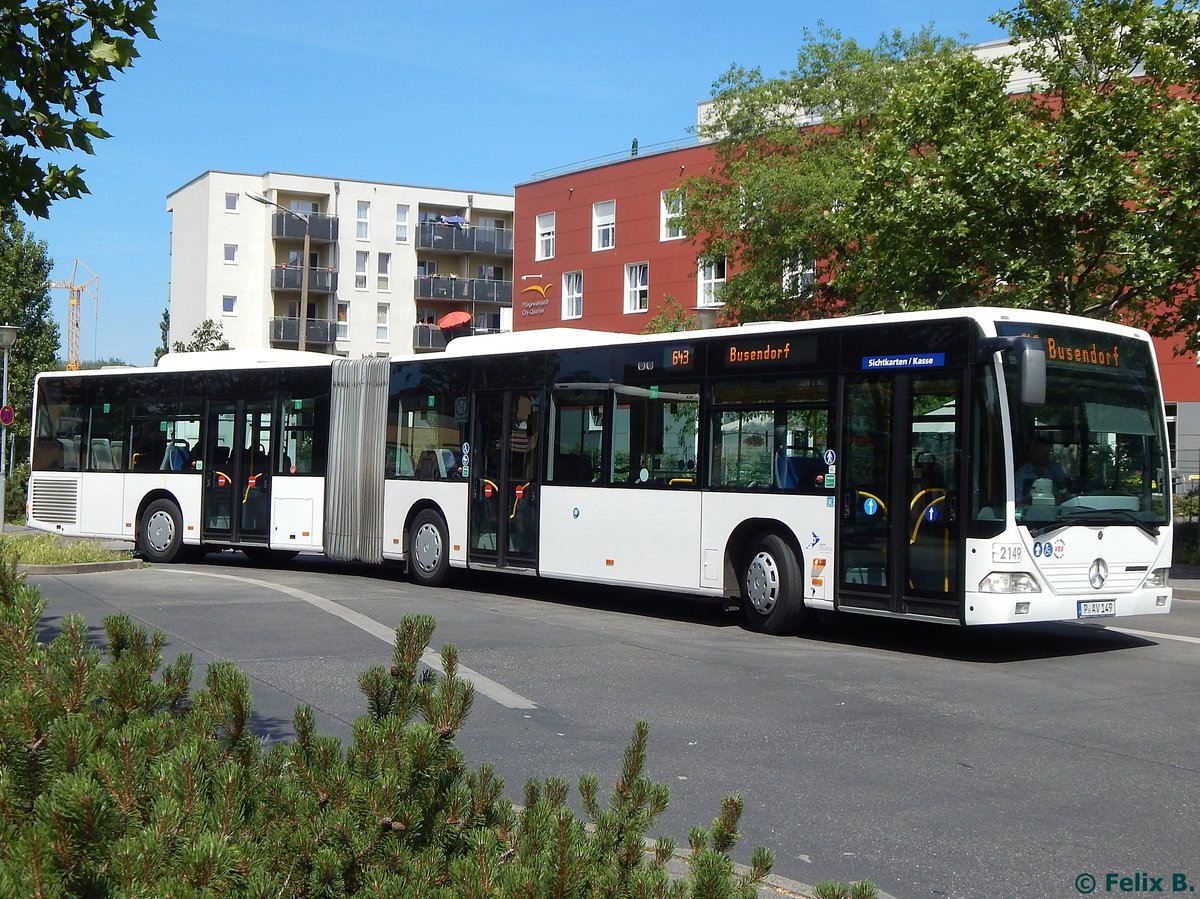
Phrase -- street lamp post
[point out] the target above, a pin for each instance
(259, 198)
(8, 336)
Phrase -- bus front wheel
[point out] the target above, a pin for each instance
(771, 585)
(160, 532)
(428, 549)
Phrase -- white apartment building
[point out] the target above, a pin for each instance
(386, 262)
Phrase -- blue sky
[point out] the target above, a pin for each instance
(468, 95)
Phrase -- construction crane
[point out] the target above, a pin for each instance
(75, 289)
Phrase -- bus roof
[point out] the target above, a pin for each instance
(576, 338)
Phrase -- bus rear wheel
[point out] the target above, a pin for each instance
(160, 532)
(428, 549)
(771, 585)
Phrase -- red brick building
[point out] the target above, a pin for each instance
(598, 248)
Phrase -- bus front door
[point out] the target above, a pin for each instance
(237, 469)
(504, 478)
(899, 541)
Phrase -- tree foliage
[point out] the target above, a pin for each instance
(208, 335)
(117, 779)
(25, 302)
(1079, 195)
(787, 156)
(54, 57)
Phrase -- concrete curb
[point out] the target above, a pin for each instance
(82, 567)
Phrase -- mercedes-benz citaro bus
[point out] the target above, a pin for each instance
(967, 466)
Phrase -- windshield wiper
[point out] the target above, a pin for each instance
(1096, 516)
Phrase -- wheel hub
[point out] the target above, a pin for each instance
(762, 583)
(427, 547)
(160, 531)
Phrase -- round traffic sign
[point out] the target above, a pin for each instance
(7, 415)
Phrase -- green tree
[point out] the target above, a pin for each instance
(207, 335)
(1079, 196)
(25, 302)
(55, 56)
(914, 180)
(164, 328)
(787, 155)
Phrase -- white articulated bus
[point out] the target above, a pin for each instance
(973, 466)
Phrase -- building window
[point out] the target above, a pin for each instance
(426, 316)
(342, 326)
(383, 313)
(231, 254)
(486, 322)
(362, 229)
(231, 202)
(401, 223)
(572, 295)
(712, 282)
(491, 273)
(637, 287)
(384, 282)
(360, 269)
(228, 305)
(426, 268)
(545, 237)
(671, 215)
(604, 225)
(799, 276)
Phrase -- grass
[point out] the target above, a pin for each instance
(48, 549)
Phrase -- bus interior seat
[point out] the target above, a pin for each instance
(797, 471)
(572, 469)
(175, 456)
(70, 454)
(427, 466)
(101, 455)
(447, 462)
(404, 463)
(220, 457)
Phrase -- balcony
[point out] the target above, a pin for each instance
(465, 239)
(427, 338)
(319, 332)
(322, 228)
(470, 289)
(288, 277)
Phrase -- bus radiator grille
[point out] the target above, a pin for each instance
(54, 501)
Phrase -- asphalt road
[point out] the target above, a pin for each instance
(935, 761)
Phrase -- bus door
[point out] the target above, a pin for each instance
(898, 546)
(237, 469)
(504, 478)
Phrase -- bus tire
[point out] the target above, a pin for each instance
(428, 549)
(160, 532)
(771, 585)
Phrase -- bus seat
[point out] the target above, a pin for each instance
(100, 455)
(404, 464)
(447, 463)
(427, 466)
(220, 457)
(572, 469)
(70, 455)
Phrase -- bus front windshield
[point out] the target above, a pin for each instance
(1095, 453)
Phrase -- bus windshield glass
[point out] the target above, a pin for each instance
(1095, 453)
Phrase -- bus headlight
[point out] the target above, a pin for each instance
(1157, 578)
(1009, 582)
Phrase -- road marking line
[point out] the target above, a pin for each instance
(491, 689)
(1153, 635)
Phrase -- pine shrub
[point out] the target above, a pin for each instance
(117, 780)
